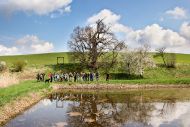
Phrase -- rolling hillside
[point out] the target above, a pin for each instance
(50, 58)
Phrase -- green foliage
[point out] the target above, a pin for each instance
(124, 76)
(18, 66)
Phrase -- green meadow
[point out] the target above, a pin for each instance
(51, 58)
(36, 59)
(152, 75)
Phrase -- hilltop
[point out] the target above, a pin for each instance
(51, 58)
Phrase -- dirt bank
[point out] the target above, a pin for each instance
(117, 86)
(12, 109)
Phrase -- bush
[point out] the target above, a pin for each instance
(171, 60)
(124, 76)
(18, 66)
(3, 66)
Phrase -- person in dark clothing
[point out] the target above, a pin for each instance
(91, 76)
(38, 77)
(75, 77)
(51, 77)
(107, 77)
(97, 76)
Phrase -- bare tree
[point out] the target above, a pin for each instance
(161, 53)
(169, 59)
(93, 46)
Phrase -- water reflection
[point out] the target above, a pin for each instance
(70, 109)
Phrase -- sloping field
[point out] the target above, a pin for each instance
(36, 59)
(51, 58)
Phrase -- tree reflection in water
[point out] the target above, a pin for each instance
(106, 110)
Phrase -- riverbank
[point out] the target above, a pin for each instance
(17, 98)
(117, 86)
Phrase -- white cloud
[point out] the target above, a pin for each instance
(7, 50)
(185, 30)
(154, 35)
(28, 44)
(157, 37)
(32, 44)
(68, 9)
(110, 19)
(39, 7)
(177, 13)
(108, 16)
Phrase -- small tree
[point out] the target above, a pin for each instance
(95, 46)
(169, 59)
(161, 53)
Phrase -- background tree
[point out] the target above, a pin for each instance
(134, 62)
(169, 59)
(93, 46)
(161, 52)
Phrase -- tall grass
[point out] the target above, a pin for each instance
(7, 79)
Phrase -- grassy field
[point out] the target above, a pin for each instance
(10, 93)
(164, 75)
(36, 59)
(51, 58)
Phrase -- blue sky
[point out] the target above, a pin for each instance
(26, 25)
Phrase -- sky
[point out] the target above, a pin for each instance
(41, 26)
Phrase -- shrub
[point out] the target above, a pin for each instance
(171, 60)
(18, 66)
(124, 76)
(3, 66)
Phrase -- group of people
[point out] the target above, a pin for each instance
(75, 76)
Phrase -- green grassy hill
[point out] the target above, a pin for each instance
(36, 59)
(181, 58)
(51, 58)
(168, 75)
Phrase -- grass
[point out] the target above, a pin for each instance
(10, 93)
(36, 59)
(180, 58)
(152, 81)
(137, 81)
(51, 58)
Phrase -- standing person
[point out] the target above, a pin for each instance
(91, 76)
(97, 76)
(75, 77)
(87, 76)
(51, 77)
(38, 77)
(107, 76)
(78, 77)
(66, 77)
(70, 76)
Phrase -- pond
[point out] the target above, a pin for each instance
(132, 108)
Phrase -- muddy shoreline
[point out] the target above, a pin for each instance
(116, 86)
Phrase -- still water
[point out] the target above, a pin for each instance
(134, 108)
